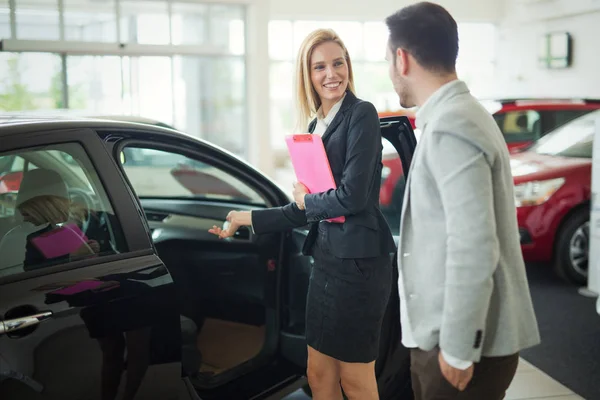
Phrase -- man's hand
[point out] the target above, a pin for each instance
(235, 220)
(457, 377)
(299, 192)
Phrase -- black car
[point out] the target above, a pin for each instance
(110, 282)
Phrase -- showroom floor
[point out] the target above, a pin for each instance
(529, 383)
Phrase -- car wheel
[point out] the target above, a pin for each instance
(572, 248)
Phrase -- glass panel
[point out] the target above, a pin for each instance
(349, 32)
(30, 81)
(301, 30)
(61, 210)
(559, 118)
(157, 173)
(148, 88)
(373, 84)
(211, 100)
(90, 20)
(37, 19)
(188, 23)
(475, 62)
(95, 84)
(144, 22)
(376, 37)
(282, 102)
(4, 20)
(227, 27)
(574, 139)
(280, 39)
(519, 125)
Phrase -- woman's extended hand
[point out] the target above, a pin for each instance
(235, 219)
(299, 192)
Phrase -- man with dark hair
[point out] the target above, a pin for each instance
(465, 305)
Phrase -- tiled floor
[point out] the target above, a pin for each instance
(530, 383)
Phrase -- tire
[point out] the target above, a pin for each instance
(572, 248)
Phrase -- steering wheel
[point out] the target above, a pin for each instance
(85, 198)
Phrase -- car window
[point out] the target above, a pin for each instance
(559, 118)
(53, 210)
(162, 174)
(519, 126)
(574, 139)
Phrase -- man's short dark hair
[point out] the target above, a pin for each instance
(428, 32)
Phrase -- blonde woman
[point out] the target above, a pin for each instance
(351, 279)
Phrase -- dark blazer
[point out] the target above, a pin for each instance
(353, 146)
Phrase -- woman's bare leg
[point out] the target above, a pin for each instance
(359, 381)
(323, 374)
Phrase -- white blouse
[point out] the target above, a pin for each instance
(323, 122)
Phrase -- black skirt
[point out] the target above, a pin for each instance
(346, 302)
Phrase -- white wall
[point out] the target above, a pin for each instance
(517, 72)
(377, 10)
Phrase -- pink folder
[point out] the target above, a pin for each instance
(311, 164)
(60, 241)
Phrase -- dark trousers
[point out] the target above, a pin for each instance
(491, 377)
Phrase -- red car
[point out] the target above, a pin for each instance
(521, 121)
(524, 121)
(552, 193)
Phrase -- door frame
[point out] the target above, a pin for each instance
(32, 136)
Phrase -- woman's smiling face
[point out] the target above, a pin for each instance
(329, 72)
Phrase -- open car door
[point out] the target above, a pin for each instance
(227, 290)
(393, 365)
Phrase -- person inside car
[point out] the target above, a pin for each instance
(43, 201)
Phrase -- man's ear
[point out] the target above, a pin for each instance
(402, 61)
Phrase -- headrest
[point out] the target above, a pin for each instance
(41, 182)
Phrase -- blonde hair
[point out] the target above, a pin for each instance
(51, 209)
(307, 99)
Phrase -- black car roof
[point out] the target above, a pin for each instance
(11, 124)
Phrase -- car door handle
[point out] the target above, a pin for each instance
(11, 325)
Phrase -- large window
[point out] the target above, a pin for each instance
(30, 81)
(179, 62)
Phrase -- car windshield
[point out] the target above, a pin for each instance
(574, 139)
